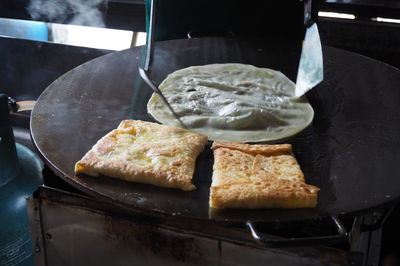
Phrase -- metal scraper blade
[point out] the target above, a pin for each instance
(311, 70)
(155, 89)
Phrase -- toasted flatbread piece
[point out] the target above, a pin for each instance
(145, 152)
(258, 176)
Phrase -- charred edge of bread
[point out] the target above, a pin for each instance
(262, 149)
(273, 194)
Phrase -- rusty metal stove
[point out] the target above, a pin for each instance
(73, 229)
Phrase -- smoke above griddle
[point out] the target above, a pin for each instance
(79, 12)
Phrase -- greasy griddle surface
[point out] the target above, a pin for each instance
(351, 150)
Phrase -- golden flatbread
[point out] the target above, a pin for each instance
(258, 176)
(145, 152)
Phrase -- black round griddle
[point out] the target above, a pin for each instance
(351, 149)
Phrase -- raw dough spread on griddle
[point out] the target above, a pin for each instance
(232, 102)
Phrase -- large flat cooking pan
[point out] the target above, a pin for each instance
(351, 149)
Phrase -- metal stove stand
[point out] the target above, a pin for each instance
(69, 228)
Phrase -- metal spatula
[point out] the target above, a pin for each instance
(311, 71)
(143, 71)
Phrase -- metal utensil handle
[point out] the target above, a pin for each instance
(149, 53)
(20, 105)
(301, 241)
(307, 13)
(150, 35)
(148, 81)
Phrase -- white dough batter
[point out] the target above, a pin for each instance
(232, 102)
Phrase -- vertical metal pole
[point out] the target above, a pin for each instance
(307, 13)
(151, 35)
(8, 152)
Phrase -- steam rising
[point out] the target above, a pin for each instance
(80, 12)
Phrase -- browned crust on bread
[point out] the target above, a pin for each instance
(263, 149)
(145, 152)
(263, 176)
(271, 194)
